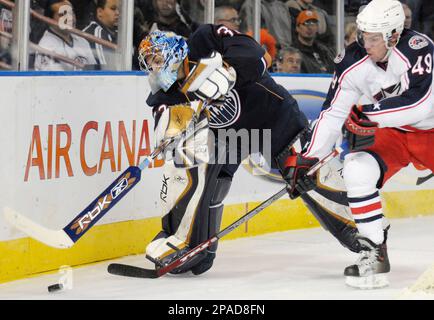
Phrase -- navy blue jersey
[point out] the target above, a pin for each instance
(256, 101)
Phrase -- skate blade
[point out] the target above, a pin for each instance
(375, 281)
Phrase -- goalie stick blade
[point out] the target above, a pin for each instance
(54, 238)
(132, 271)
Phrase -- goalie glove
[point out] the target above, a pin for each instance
(210, 79)
(359, 130)
(187, 126)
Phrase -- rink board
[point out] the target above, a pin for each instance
(66, 137)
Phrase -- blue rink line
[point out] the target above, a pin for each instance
(68, 73)
(128, 73)
(302, 75)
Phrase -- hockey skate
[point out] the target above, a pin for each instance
(370, 270)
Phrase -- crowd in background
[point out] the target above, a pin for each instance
(300, 35)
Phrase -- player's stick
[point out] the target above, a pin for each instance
(137, 272)
(411, 180)
(421, 180)
(69, 235)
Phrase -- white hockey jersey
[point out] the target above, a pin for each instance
(400, 96)
(80, 51)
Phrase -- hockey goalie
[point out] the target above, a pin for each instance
(216, 80)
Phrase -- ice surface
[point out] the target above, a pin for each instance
(301, 264)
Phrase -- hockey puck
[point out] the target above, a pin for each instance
(55, 287)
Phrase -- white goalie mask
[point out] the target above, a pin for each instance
(381, 16)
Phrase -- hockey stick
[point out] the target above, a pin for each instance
(69, 235)
(411, 180)
(137, 272)
(421, 180)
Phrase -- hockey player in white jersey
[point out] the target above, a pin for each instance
(59, 40)
(389, 69)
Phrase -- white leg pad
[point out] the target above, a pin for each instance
(158, 249)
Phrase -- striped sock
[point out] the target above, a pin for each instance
(368, 214)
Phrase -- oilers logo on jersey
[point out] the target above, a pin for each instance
(222, 116)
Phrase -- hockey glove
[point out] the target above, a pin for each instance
(359, 130)
(186, 125)
(294, 168)
(210, 78)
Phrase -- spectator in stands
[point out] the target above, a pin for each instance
(105, 26)
(350, 33)
(195, 9)
(59, 40)
(85, 12)
(317, 57)
(37, 27)
(275, 18)
(352, 7)
(325, 33)
(267, 41)
(227, 16)
(165, 15)
(408, 16)
(422, 15)
(146, 8)
(6, 27)
(168, 18)
(289, 61)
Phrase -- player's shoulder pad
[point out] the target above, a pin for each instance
(348, 57)
(413, 43)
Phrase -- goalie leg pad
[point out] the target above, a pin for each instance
(343, 230)
(192, 200)
(180, 195)
(215, 217)
(208, 219)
